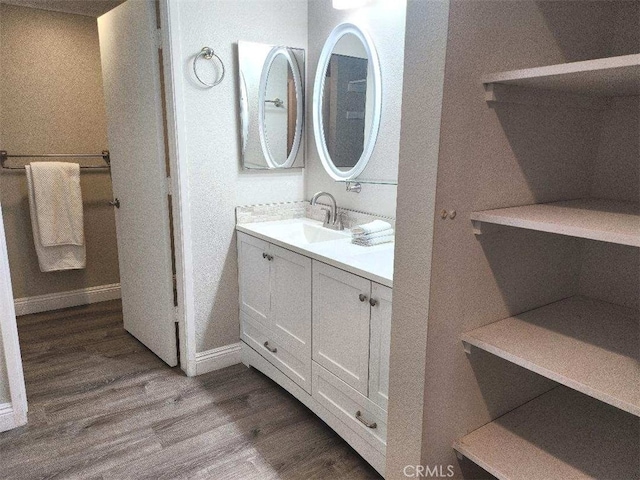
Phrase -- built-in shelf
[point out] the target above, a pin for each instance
(560, 434)
(585, 344)
(595, 219)
(613, 76)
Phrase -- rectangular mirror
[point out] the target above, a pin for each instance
(271, 83)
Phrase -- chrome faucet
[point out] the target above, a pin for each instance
(332, 219)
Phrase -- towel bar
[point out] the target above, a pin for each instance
(4, 156)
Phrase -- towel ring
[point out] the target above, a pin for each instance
(208, 53)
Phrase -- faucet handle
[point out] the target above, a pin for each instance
(339, 223)
(327, 216)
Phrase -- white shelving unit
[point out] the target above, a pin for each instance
(603, 220)
(585, 344)
(609, 77)
(561, 434)
(592, 428)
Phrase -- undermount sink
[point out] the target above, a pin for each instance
(310, 233)
(301, 232)
(318, 233)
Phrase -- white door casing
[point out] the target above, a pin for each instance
(133, 97)
(13, 413)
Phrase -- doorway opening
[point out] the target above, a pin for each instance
(82, 82)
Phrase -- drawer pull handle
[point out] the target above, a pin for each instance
(373, 302)
(272, 350)
(363, 297)
(267, 256)
(364, 422)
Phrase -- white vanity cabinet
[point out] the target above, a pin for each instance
(324, 328)
(275, 305)
(380, 344)
(341, 314)
(352, 330)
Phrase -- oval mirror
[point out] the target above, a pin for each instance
(280, 109)
(347, 101)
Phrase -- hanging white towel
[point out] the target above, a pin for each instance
(58, 255)
(58, 199)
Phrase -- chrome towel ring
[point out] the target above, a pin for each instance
(208, 54)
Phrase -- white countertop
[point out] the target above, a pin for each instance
(373, 263)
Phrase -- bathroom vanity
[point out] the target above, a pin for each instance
(315, 316)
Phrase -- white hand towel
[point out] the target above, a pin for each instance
(371, 227)
(57, 257)
(370, 242)
(58, 200)
(382, 233)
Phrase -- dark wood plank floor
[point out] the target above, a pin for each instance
(102, 406)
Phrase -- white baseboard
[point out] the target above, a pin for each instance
(8, 418)
(72, 298)
(218, 358)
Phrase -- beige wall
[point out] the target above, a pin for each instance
(610, 272)
(52, 102)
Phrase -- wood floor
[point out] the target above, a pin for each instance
(102, 406)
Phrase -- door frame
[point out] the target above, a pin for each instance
(13, 414)
(174, 86)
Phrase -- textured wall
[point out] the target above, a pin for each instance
(52, 102)
(385, 22)
(211, 132)
(610, 272)
(419, 148)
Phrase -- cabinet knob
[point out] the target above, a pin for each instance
(267, 256)
(264, 255)
(363, 297)
(373, 302)
(271, 349)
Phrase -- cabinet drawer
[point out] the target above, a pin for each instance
(262, 341)
(351, 407)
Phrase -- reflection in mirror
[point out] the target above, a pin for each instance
(271, 105)
(347, 102)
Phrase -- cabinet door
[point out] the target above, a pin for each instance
(380, 344)
(291, 301)
(341, 324)
(253, 277)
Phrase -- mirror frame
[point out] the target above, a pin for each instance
(262, 93)
(318, 92)
(244, 113)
